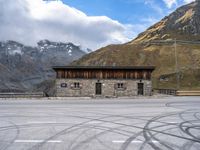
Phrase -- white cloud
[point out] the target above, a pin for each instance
(154, 6)
(170, 3)
(29, 21)
(188, 1)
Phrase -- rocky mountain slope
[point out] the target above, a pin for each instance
(23, 67)
(184, 23)
(156, 46)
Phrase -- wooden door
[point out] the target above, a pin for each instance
(98, 88)
(140, 88)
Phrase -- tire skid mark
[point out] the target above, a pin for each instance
(150, 131)
(149, 136)
(108, 129)
(64, 131)
(16, 136)
(96, 136)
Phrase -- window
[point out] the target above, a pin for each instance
(76, 85)
(63, 85)
(120, 85)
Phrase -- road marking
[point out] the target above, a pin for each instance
(135, 141)
(173, 122)
(37, 141)
(38, 122)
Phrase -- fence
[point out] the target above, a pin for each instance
(166, 91)
(22, 95)
(188, 93)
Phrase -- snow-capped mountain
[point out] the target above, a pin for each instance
(22, 67)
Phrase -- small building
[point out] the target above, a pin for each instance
(105, 81)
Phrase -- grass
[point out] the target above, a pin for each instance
(162, 56)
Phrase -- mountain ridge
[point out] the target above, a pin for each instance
(182, 24)
(23, 67)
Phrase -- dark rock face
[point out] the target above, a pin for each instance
(22, 68)
(186, 19)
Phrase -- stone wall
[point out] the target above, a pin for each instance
(109, 89)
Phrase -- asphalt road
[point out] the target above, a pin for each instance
(171, 123)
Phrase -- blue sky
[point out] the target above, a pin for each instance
(136, 15)
(126, 11)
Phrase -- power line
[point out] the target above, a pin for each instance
(176, 65)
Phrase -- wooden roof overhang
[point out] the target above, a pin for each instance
(104, 72)
(152, 68)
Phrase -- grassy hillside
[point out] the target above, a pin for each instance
(162, 56)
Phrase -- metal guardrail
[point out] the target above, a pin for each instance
(22, 95)
(166, 91)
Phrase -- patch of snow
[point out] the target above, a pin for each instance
(16, 51)
(51, 46)
(70, 52)
(41, 49)
(85, 49)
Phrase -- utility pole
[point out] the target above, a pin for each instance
(176, 66)
(174, 42)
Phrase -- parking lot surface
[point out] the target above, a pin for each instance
(171, 123)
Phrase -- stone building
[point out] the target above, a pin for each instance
(87, 81)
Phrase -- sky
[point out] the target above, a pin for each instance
(88, 23)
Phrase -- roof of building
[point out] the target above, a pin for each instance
(105, 67)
